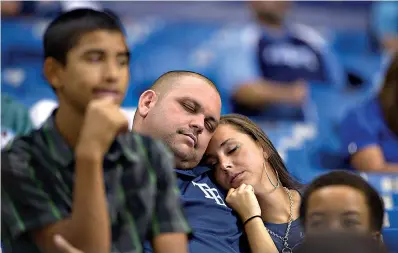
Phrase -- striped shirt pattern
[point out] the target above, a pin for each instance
(37, 185)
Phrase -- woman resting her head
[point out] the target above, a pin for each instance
(259, 186)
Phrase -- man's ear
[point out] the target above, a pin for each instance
(52, 71)
(146, 102)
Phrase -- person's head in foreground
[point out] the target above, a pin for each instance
(240, 152)
(86, 57)
(340, 242)
(182, 109)
(344, 202)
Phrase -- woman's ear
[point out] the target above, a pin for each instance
(265, 154)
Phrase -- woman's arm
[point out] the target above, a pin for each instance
(258, 237)
(244, 202)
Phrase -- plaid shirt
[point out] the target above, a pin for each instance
(37, 186)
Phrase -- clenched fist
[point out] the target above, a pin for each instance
(243, 201)
(103, 121)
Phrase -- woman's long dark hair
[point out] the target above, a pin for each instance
(388, 96)
(246, 126)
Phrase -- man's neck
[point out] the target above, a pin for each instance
(183, 165)
(275, 206)
(69, 122)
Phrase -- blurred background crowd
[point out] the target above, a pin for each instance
(311, 74)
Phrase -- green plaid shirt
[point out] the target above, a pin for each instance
(37, 184)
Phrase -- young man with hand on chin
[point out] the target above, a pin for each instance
(82, 175)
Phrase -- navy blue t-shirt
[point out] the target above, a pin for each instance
(295, 238)
(215, 228)
(289, 58)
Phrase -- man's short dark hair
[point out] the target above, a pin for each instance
(177, 74)
(344, 178)
(64, 32)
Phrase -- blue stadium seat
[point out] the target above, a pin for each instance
(351, 42)
(177, 46)
(364, 66)
(390, 200)
(390, 236)
(395, 200)
(383, 183)
(391, 218)
(22, 40)
(291, 141)
(26, 83)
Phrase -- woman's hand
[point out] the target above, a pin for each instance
(243, 201)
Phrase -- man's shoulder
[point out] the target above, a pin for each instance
(23, 144)
(136, 140)
(19, 154)
(309, 36)
(197, 175)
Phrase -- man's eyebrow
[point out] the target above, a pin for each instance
(125, 53)
(94, 51)
(351, 213)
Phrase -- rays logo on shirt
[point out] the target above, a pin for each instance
(210, 193)
(7, 135)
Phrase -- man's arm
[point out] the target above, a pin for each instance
(28, 208)
(87, 228)
(258, 94)
(241, 78)
(11, 8)
(359, 132)
(371, 159)
(169, 227)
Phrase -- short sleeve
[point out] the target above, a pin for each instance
(357, 131)
(168, 215)
(26, 206)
